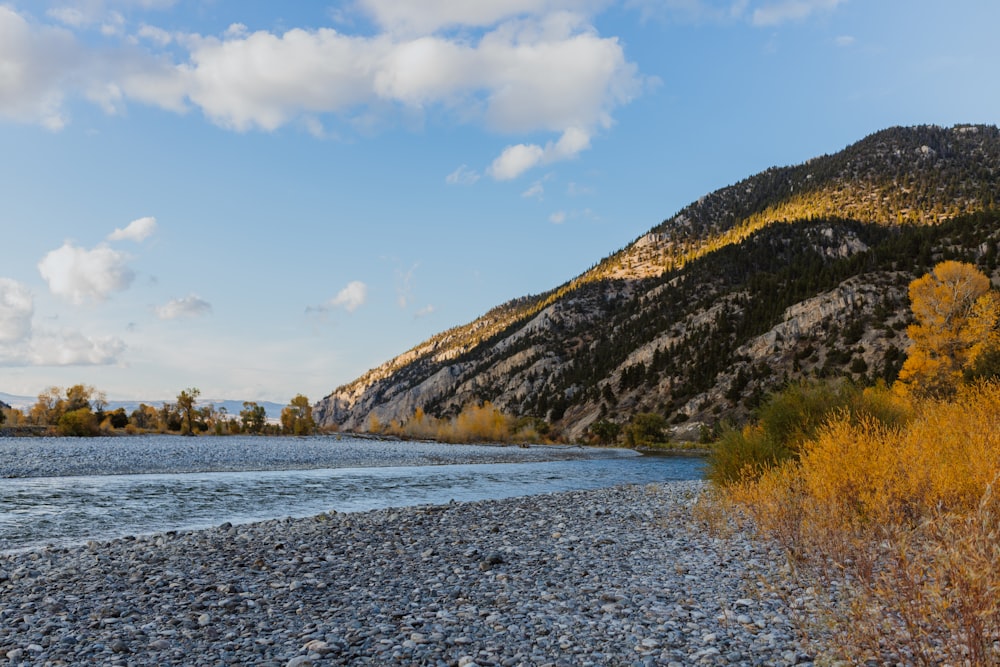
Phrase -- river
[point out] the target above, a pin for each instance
(41, 511)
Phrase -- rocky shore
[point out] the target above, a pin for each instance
(620, 576)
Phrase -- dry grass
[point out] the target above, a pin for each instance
(475, 423)
(904, 518)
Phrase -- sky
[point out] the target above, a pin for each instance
(262, 199)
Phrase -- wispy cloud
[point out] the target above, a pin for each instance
(350, 298)
(189, 306)
(775, 13)
(137, 230)
(462, 176)
(536, 191)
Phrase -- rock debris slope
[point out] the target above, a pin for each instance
(796, 271)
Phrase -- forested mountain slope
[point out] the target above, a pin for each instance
(797, 271)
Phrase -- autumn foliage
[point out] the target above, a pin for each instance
(896, 510)
(956, 316)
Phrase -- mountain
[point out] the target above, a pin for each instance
(796, 271)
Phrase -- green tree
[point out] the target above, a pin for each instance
(297, 417)
(606, 431)
(646, 428)
(253, 416)
(186, 401)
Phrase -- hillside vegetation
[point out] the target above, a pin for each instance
(796, 272)
(887, 499)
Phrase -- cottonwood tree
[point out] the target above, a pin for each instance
(956, 322)
(253, 416)
(186, 401)
(297, 418)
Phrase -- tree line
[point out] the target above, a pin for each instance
(82, 410)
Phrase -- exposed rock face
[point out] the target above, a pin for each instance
(798, 271)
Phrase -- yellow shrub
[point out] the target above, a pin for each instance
(908, 515)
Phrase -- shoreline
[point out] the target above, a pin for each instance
(618, 576)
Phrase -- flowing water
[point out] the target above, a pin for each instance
(35, 512)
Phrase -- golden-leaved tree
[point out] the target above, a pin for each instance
(956, 314)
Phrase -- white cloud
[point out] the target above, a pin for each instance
(137, 230)
(70, 16)
(189, 306)
(462, 176)
(157, 35)
(844, 41)
(38, 65)
(515, 160)
(526, 66)
(72, 348)
(558, 217)
(351, 297)
(775, 13)
(22, 345)
(424, 312)
(79, 275)
(17, 307)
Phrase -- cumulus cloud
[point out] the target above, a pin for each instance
(515, 160)
(23, 345)
(514, 66)
(38, 68)
(16, 310)
(79, 275)
(72, 348)
(190, 306)
(462, 176)
(137, 230)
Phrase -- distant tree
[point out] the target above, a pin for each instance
(77, 397)
(81, 423)
(186, 401)
(646, 428)
(296, 417)
(49, 407)
(606, 431)
(118, 418)
(253, 416)
(956, 321)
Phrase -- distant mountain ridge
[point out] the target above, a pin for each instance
(794, 272)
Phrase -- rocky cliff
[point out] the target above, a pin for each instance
(797, 271)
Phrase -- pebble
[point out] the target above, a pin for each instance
(619, 576)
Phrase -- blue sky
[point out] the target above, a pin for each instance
(261, 199)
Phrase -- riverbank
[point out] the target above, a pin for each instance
(620, 576)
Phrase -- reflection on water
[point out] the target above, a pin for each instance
(60, 510)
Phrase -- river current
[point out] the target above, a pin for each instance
(41, 511)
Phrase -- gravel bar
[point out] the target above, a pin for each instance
(55, 457)
(619, 576)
